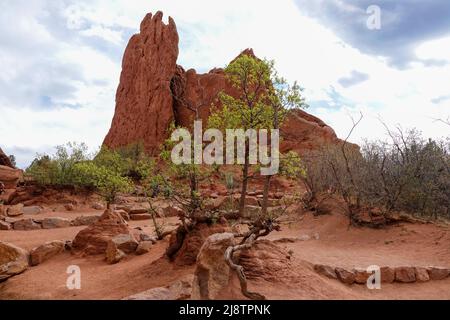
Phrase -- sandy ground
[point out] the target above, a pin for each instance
(338, 245)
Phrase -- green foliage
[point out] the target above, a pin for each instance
(291, 165)
(108, 182)
(57, 170)
(130, 161)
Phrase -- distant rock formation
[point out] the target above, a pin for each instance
(154, 91)
(5, 160)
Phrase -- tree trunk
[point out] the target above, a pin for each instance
(244, 180)
(266, 195)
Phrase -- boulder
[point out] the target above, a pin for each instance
(325, 270)
(187, 254)
(26, 224)
(345, 276)
(437, 273)
(85, 220)
(361, 275)
(405, 274)
(46, 251)
(125, 243)
(13, 260)
(10, 176)
(15, 210)
(31, 210)
(94, 239)
(179, 290)
(212, 273)
(5, 226)
(422, 274)
(144, 247)
(387, 274)
(171, 211)
(113, 255)
(141, 216)
(55, 223)
(5, 160)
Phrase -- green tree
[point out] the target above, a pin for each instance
(264, 101)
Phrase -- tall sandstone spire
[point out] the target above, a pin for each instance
(154, 91)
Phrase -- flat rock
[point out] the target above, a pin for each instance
(26, 224)
(85, 220)
(387, 274)
(179, 290)
(13, 260)
(437, 273)
(144, 247)
(5, 226)
(422, 274)
(141, 216)
(124, 214)
(361, 275)
(55, 223)
(31, 210)
(325, 270)
(46, 251)
(125, 242)
(345, 276)
(405, 274)
(15, 211)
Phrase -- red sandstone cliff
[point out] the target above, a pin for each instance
(154, 91)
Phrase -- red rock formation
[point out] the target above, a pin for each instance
(144, 104)
(5, 160)
(154, 91)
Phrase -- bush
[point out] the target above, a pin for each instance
(108, 182)
(58, 170)
(408, 174)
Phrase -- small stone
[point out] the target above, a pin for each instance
(422, 274)
(55, 223)
(85, 220)
(125, 242)
(15, 211)
(387, 274)
(141, 216)
(5, 226)
(345, 276)
(44, 252)
(144, 247)
(405, 274)
(31, 210)
(69, 207)
(327, 271)
(361, 275)
(304, 237)
(437, 273)
(26, 224)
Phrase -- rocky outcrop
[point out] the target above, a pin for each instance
(5, 160)
(94, 239)
(13, 260)
(144, 103)
(154, 91)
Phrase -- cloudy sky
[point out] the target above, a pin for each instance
(61, 60)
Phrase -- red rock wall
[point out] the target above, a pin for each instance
(154, 91)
